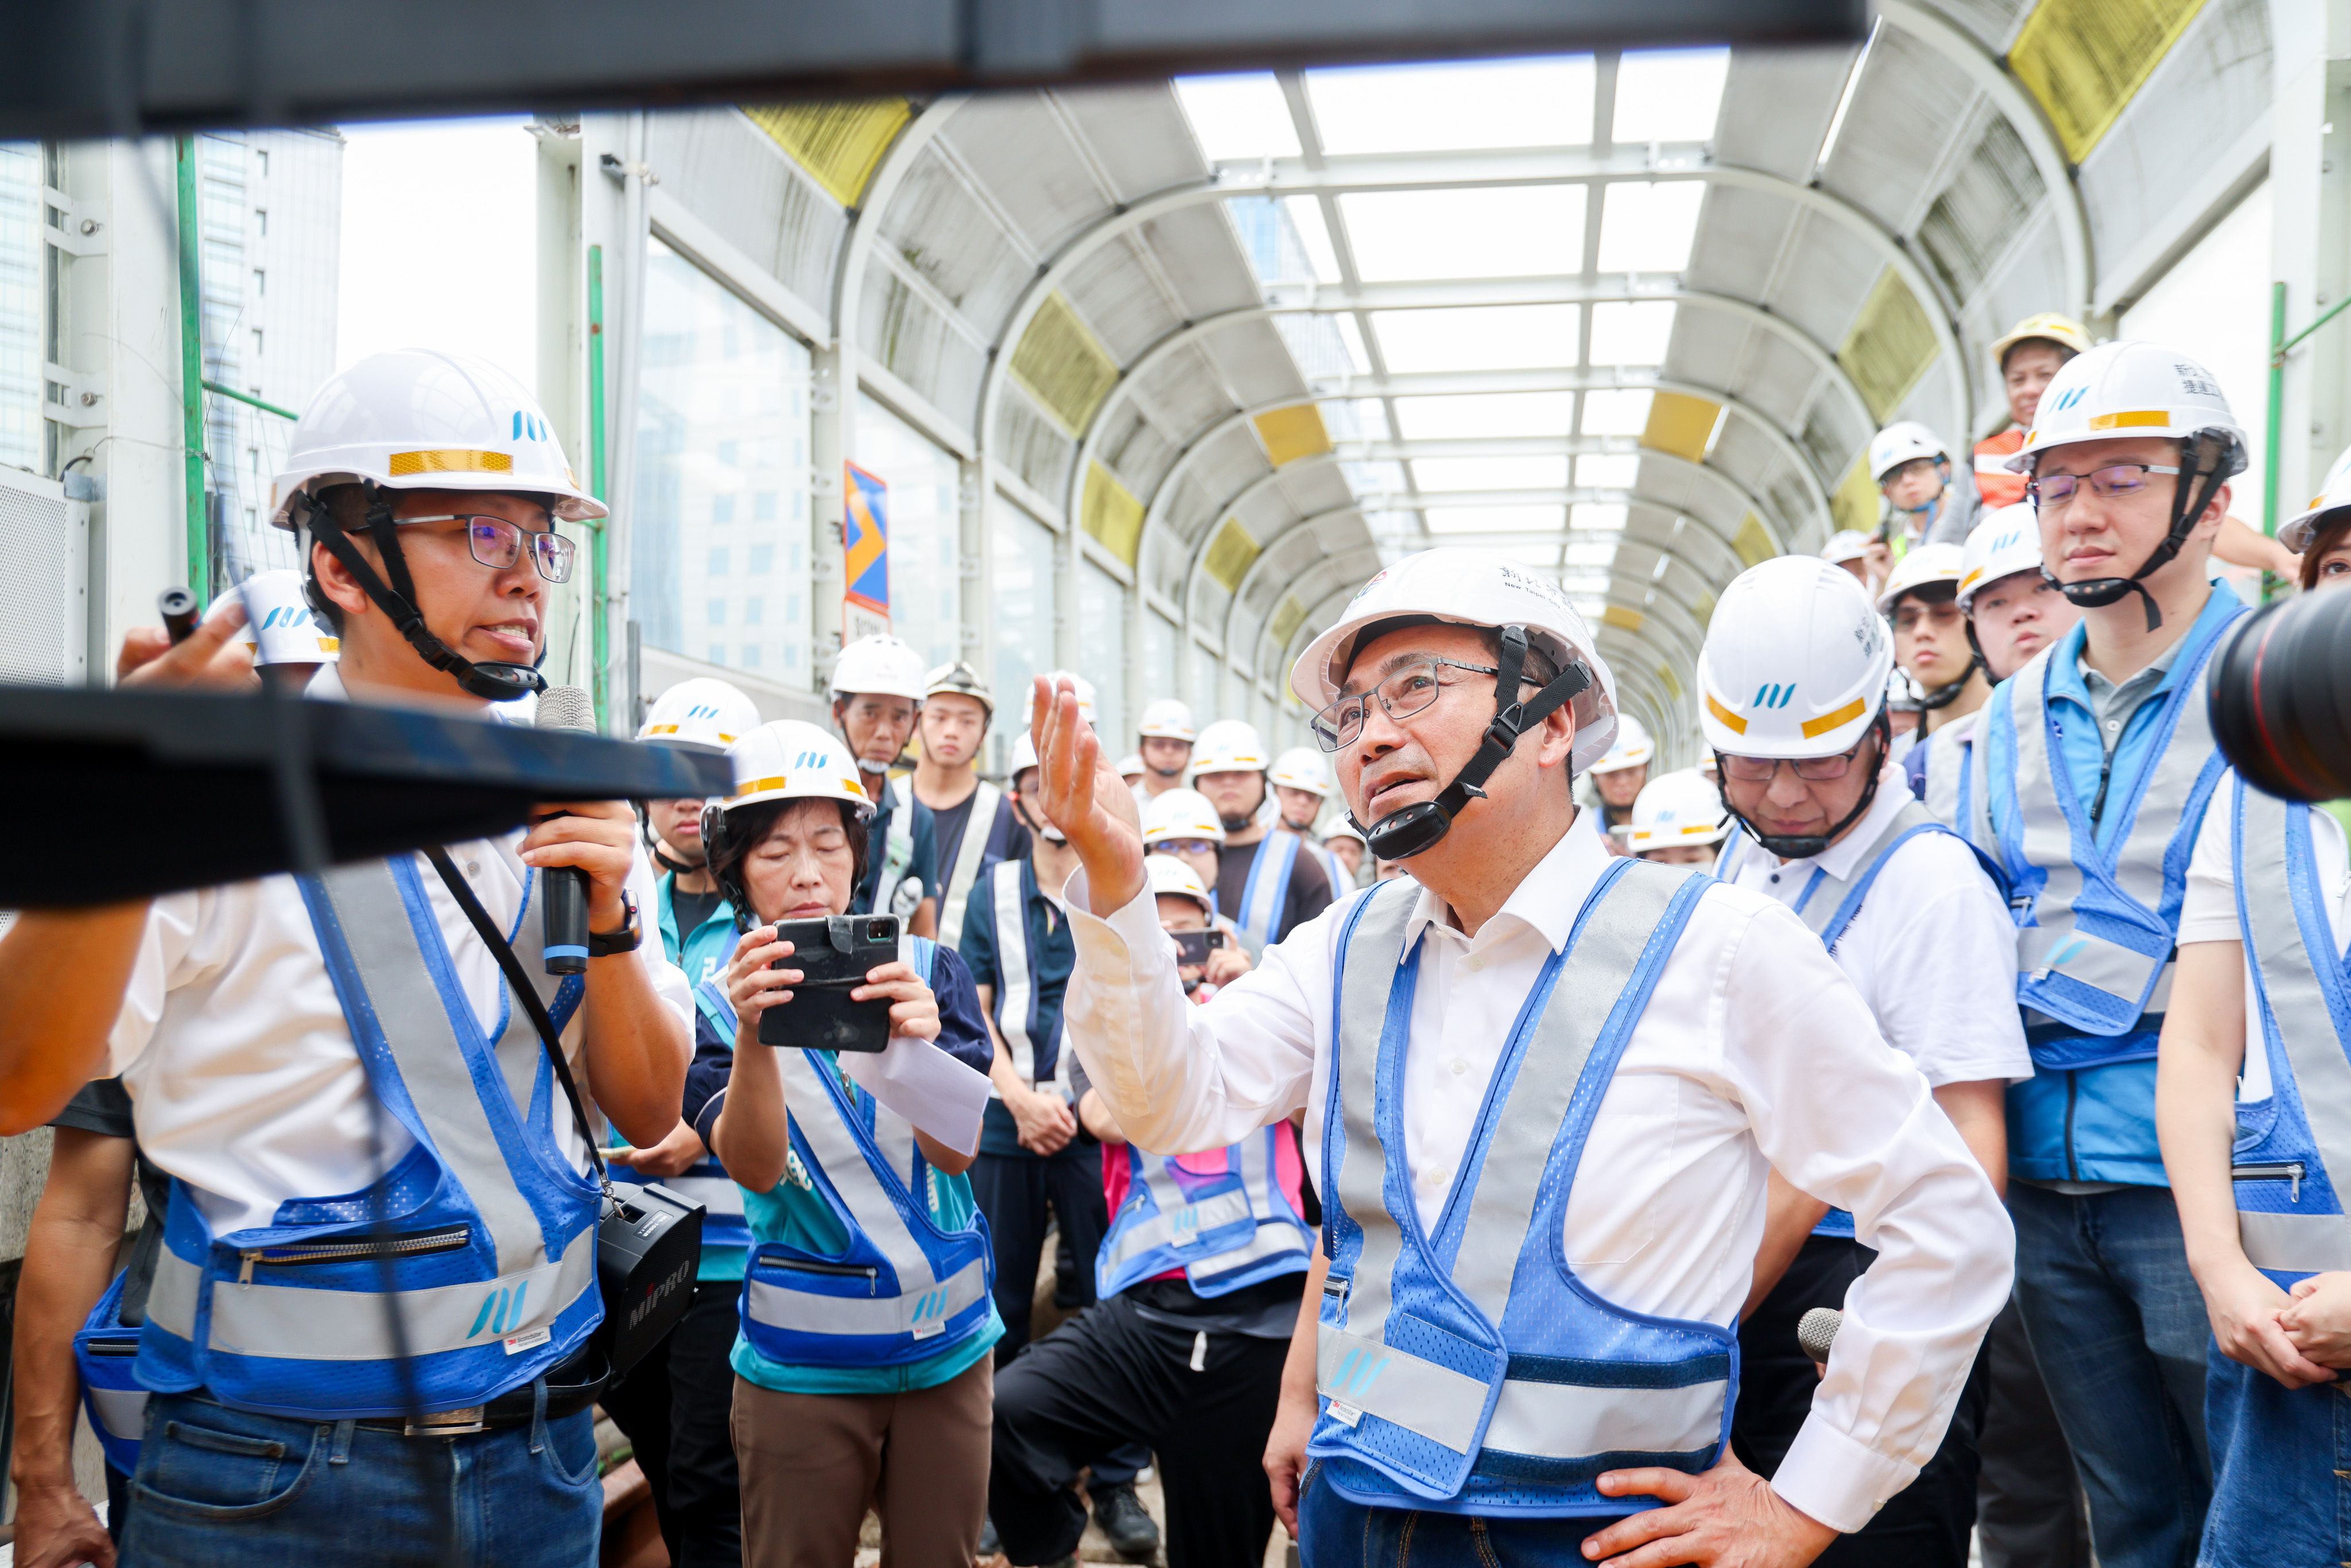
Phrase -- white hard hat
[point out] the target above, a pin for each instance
(958, 679)
(1171, 878)
(2297, 531)
(879, 663)
(1229, 745)
(420, 419)
(1024, 757)
(279, 626)
(1632, 748)
(1166, 720)
(1129, 764)
(1900, 443)
(703, 714)
(2131, 388)
(1683, 807)
(1794, 663)
(1902, 693)
(1302, 767)
(1084, 688)
(791, 759)
(1344, 828)
(1920, 565)
(1844, 545)
(1181, 814)
(2006, 542)
(1470, 588)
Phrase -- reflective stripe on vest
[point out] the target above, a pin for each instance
(494, 1237)
(1225, 1229)
(2098, 924)
(1015, 993)
(897, 855)
(1947, 771)
(977, 829)
(2289, 1212)
(106, 1353)
(1471, 1371)
(1267, 892)
(706, 1181)
(902, 1289)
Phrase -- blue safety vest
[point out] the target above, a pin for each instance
(492, 1251)
(1224, 1228)
(1828, 904)
(706, 1181)
(1470, 1370)
(1266, 892)
(902, 1289)
(1040, 1063)
(2290, 1147)
(2099, 923)
(106, 1350)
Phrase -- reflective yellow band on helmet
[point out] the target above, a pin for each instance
(1829, 721)
(450, 460)
(1697, 828)
(2135, 419)
(1971, 579)
(759, 785)
(330, 644)
(1731, 721)
(661, 730)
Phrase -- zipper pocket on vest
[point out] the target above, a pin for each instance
(2289, 1171)
(294, 1254)
(106, 1347)
(842, 1271)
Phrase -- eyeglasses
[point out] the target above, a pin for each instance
(2107, 484)
(498, 544)
(1184, 846)
(1907, 616)
(1405, 692)
(1811, 769)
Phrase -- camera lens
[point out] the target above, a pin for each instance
(877, 931)
(2278, 709)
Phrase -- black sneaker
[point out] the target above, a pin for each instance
(1121, 1516)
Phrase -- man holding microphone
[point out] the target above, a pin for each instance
(367, 1338)
(1502, 1359)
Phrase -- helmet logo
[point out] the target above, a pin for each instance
(2071, 396)
(285, 615)
(527, 427)
(1773, 696)
(702, 710)
(809, 759)
(2193, 382)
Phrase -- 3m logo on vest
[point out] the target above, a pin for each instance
(1357, 1371)
(930, 1312)
(1772, 696)
(501, 1309)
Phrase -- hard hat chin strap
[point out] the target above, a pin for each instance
(1409, 830)
(1805, 846)
(490, 680)
(2101, 592)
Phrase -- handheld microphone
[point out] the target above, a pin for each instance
(1816, 1330)
(177, 606)
(563, 890)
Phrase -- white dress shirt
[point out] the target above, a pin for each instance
(1754, 1051)
(2208, 907)
(1932, 950)
(242, 1075)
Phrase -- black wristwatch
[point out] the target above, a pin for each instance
(602, 944)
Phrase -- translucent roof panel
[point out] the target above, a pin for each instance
(1524, 231)
(1243, 116)
(1591, 515)
(1600, 552)
(1314, 235)
(1455, 105)
(1648, 228)
(1608, 471)
(1351, 332)
(1670, 95)
(1490, 473)
(1485, 413)
(1496, 519)
(1494, 337)
(1617, 412)
(1631, 333)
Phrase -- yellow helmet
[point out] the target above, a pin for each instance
(2060, 330)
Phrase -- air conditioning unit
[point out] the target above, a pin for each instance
(44, 582)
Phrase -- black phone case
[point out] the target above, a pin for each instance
(834, 955)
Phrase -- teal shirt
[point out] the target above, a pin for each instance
(703, 954)
(796, 1213)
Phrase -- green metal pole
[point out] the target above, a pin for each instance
(2270, 457)
(247, 398)
(192, 373)
(601, 627)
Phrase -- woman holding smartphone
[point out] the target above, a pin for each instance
(862, 1372)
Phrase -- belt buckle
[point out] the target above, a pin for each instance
(446, 1423)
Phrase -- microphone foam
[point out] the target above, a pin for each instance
(1817, 1330)
(567, 707)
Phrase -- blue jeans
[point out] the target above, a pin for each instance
(217, 1488)
(1335, 1531)
(2118, 1328)
(2280, 1458)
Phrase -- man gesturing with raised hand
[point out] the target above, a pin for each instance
(1502, 1358)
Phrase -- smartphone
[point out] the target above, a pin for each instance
(833, 955)
(1193, 947)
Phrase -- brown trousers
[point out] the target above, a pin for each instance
(812, 1463)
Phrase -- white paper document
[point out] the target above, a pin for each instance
(914, 1078)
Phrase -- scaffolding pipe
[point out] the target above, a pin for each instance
(192, 373)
